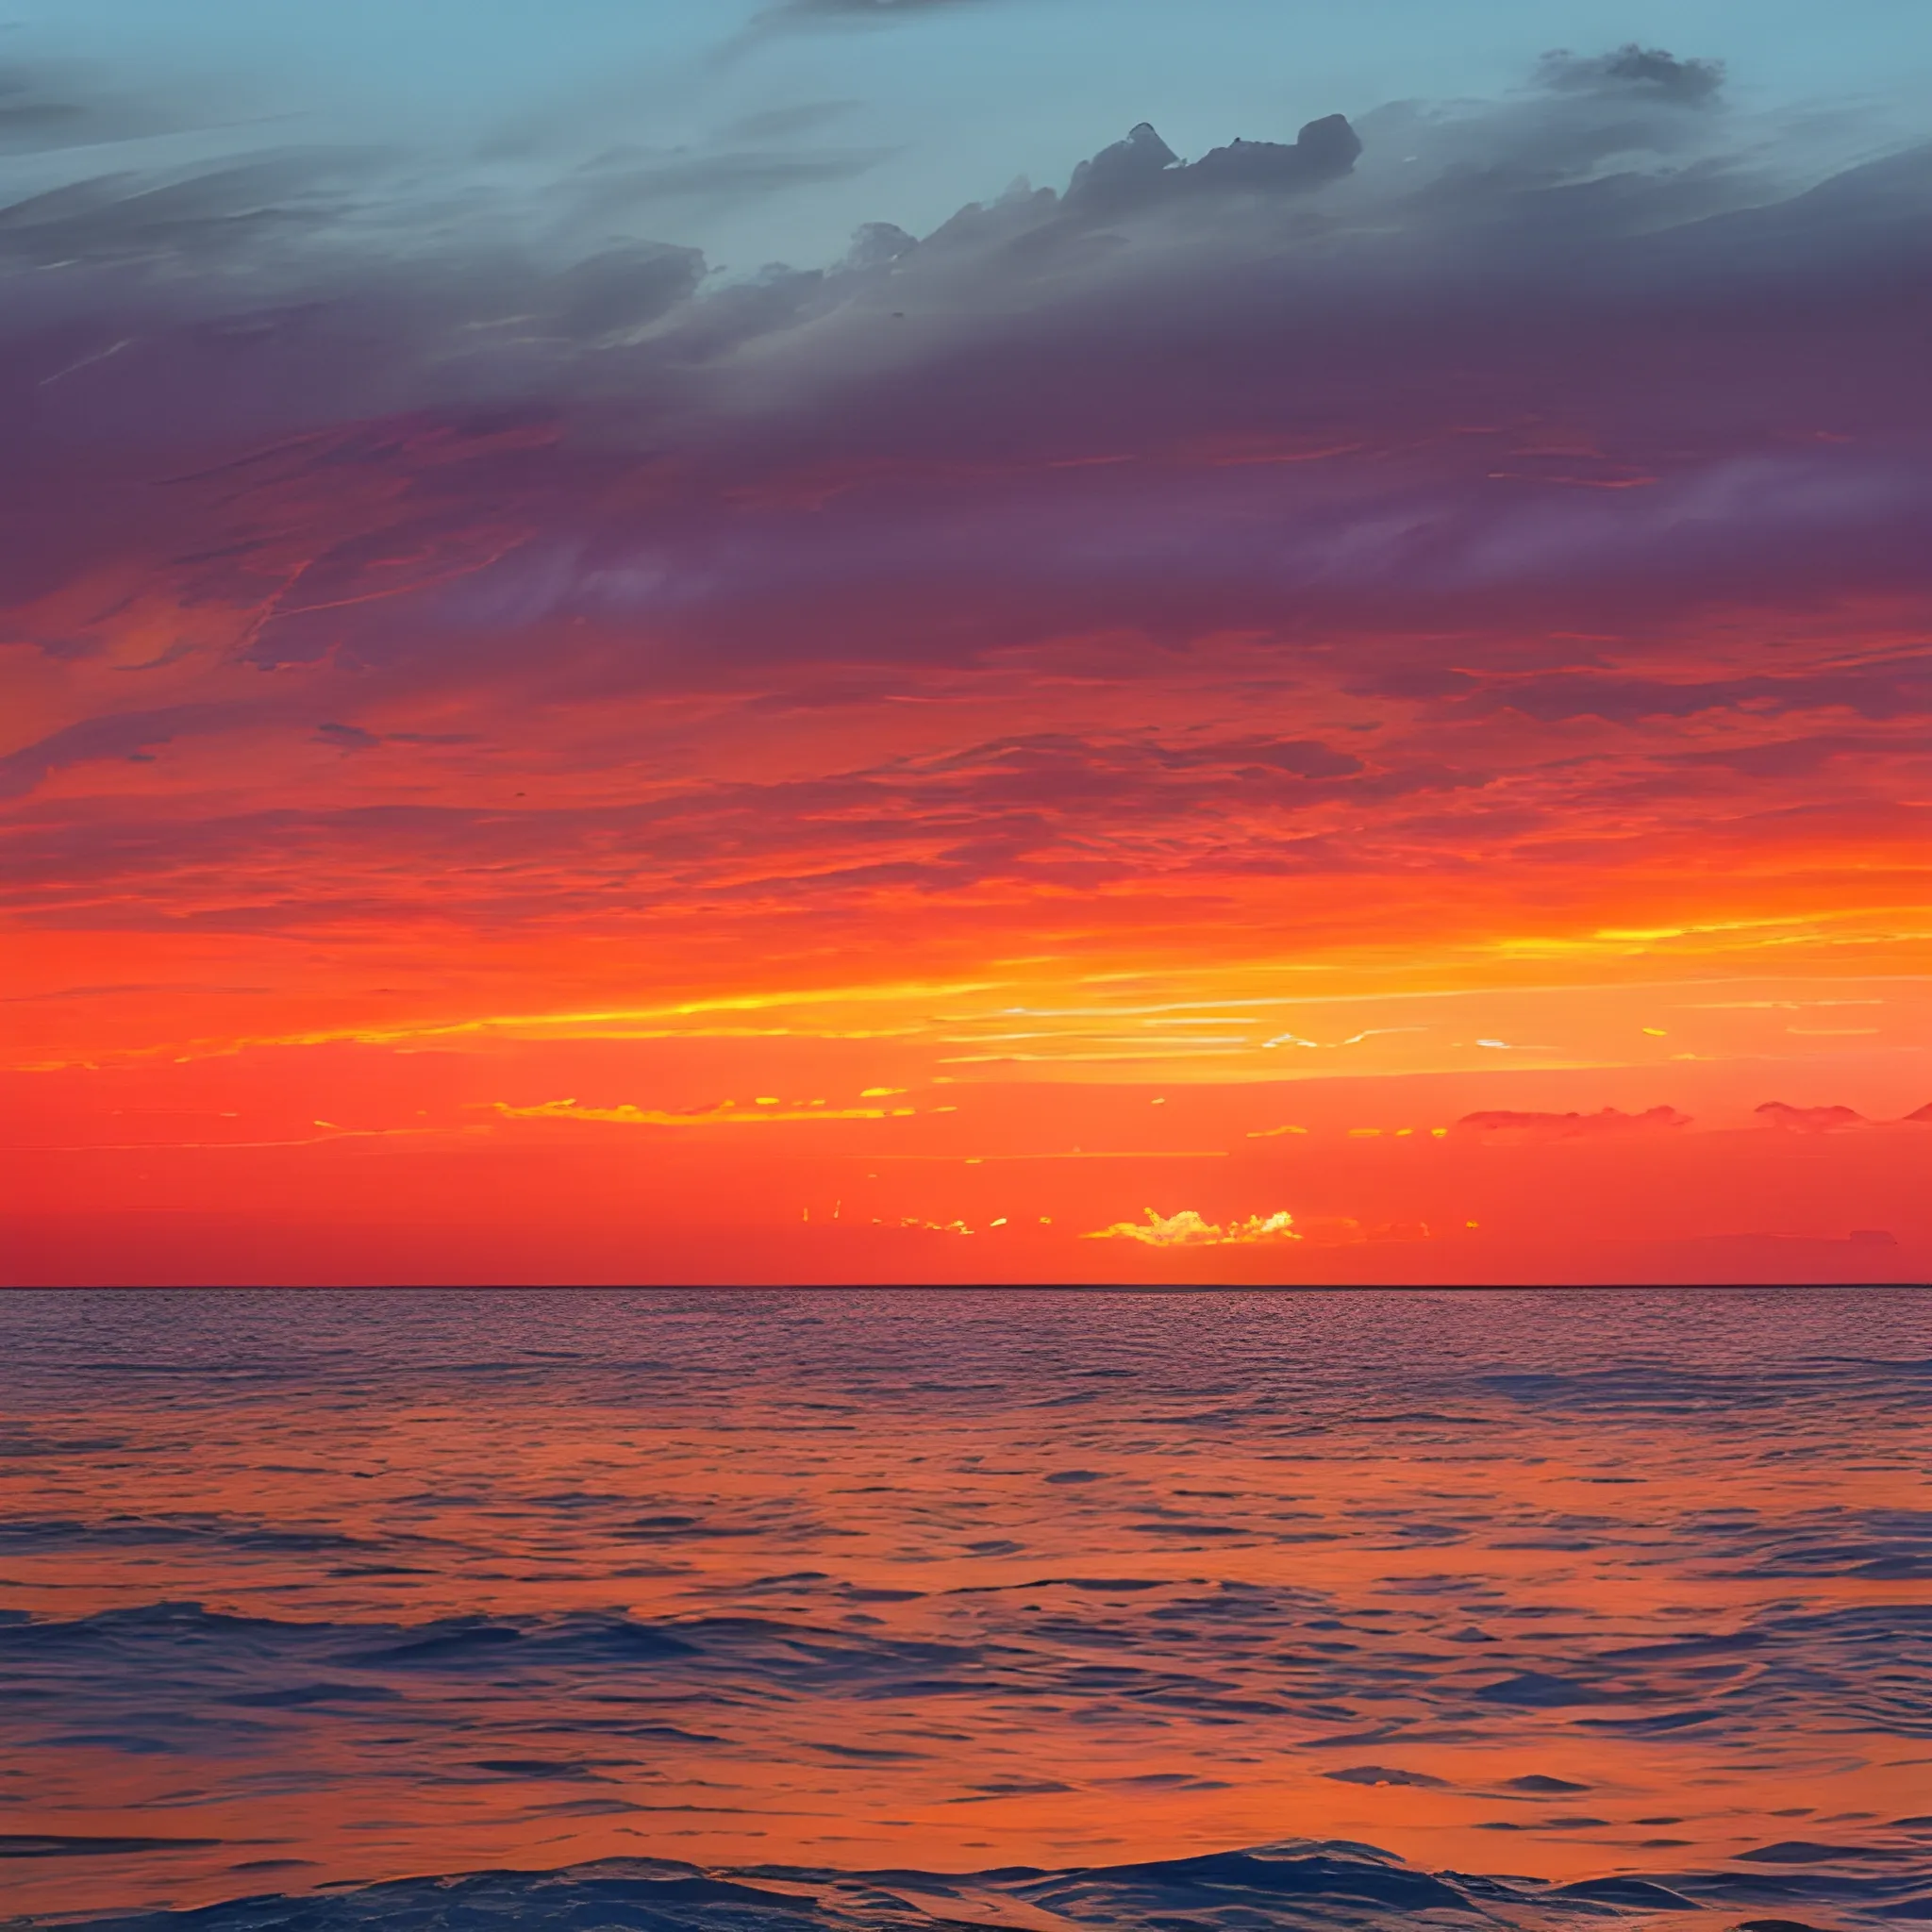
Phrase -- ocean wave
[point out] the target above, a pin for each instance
(1607, 1589)
(1175, 1648)
(1336, 1884)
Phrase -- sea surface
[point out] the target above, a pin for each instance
(798, 1613)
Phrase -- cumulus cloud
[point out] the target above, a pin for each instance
(1142, 172)
(1189, 1229)
(1634, 69)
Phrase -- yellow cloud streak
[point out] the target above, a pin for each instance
(725, 1114)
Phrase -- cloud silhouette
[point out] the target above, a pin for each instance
(1634, 69)
(1810, 1119)
(1508, 1127)
(1142, 172)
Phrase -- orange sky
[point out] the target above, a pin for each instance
(764, 792)
(943, 973)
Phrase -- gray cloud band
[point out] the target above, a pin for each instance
(1587, 340)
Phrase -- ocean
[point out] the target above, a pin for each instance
(798, 1611)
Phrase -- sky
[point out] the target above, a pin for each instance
(964, 640)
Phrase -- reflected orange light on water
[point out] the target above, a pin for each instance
(1039, 1628)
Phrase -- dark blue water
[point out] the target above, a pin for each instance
(1185, 1611)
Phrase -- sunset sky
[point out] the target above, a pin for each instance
(691, 643)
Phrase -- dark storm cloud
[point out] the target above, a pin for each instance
(1584, 343)
(1142, 172)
